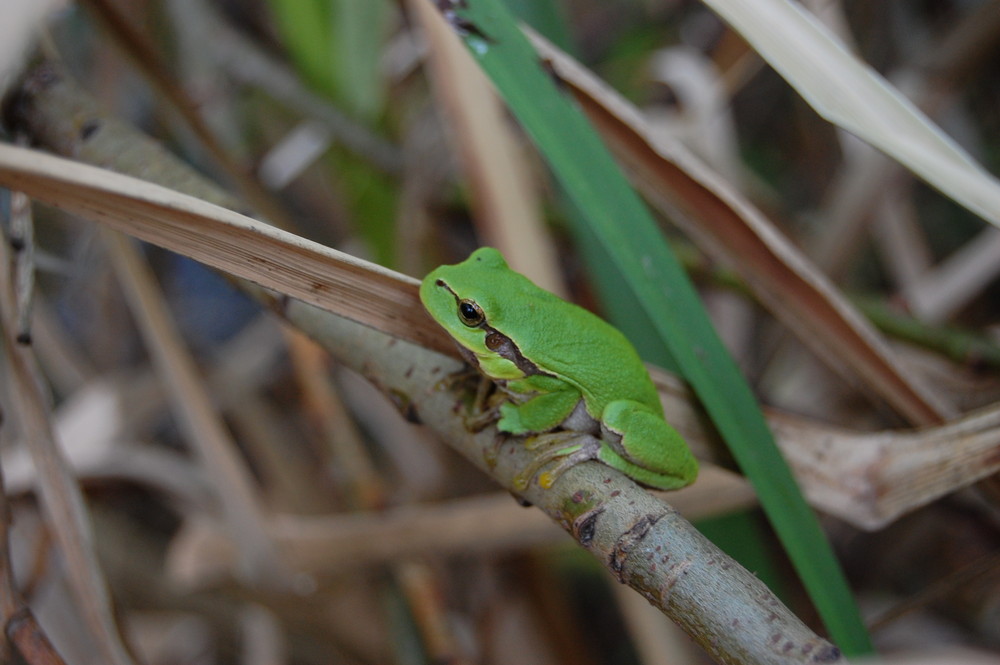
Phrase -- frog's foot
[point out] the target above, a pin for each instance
(480, 418)
(484, 408)
(550, 440)
(586, 448)
(456, 379)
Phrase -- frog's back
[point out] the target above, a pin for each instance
(573, 343)
(594, 356)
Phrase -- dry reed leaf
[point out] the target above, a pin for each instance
(506, 203)
(729, 227)
(292, 265)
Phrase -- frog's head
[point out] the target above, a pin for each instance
(467, 299)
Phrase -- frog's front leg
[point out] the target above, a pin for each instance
(640, 443)
(549, 402)
(483, 409)
(523, 406)
(538, 405)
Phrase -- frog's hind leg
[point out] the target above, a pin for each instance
(553, 447)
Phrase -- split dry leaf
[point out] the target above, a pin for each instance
(872, 479)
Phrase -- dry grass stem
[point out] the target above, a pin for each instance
(505, 197)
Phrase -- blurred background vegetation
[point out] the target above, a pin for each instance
(331, 119)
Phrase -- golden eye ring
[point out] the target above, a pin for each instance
(470, 314)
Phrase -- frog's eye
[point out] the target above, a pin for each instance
(470, 313)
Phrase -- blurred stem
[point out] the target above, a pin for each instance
(956, 344)
(58, 492)
(159, 76)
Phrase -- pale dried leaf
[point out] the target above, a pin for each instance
(849, 93)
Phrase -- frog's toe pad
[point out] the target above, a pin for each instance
(568, 457)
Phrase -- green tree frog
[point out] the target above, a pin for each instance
(567, 376)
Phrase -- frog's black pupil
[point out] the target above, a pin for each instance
(470, 313)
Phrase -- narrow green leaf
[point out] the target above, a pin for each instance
(546, 17)
(622, 224)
